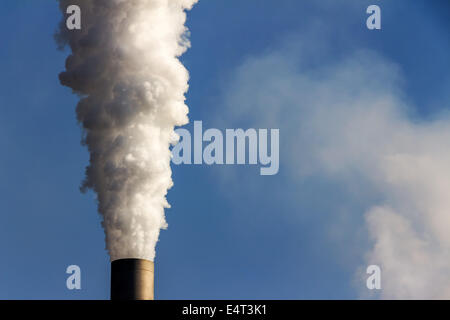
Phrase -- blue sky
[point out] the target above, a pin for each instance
(232, 233)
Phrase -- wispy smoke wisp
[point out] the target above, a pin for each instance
(350, 122)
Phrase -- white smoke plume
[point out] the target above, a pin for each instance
(124, 66)
(350, 121)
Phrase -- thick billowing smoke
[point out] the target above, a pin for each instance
(124, 66)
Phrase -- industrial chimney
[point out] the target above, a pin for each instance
(132, 279)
